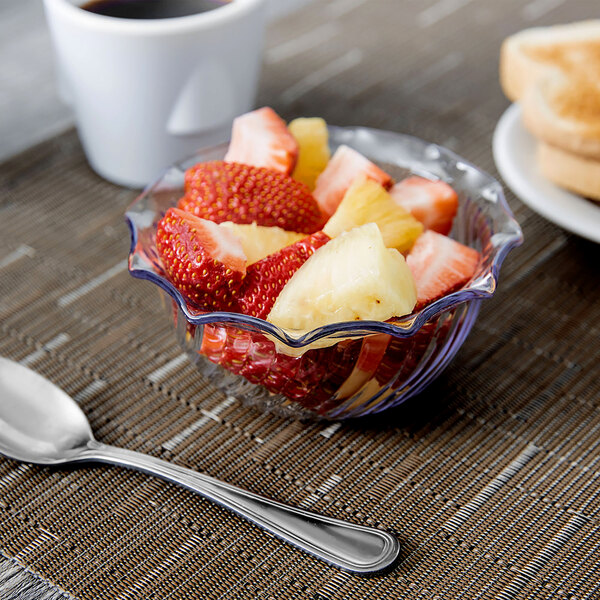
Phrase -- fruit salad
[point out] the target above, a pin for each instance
(284, 231)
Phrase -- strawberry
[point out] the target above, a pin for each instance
(321, 378)
(226, 345)
(261, 138)
(318, 374)
(403, 355)
(222, 191)
(345, 166)
(433, 203)
(439, 266)
(205, 262)
(310, 379)
(266, 278)
(372, 351)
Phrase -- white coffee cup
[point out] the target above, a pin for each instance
(147, 93)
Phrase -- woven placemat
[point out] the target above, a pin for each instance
(490, 478)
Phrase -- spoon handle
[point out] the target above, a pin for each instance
(352, 547)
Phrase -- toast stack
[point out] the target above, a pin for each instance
(554, 73)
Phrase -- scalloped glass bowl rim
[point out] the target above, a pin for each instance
(483, 286)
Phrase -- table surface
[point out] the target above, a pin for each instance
(489, 478)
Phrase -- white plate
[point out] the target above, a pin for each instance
(514, 153)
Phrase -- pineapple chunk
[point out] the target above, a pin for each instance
(258, 241)
(313, 141)
(368, 202)
(352, 277)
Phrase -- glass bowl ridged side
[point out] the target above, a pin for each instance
(350, 379)
(365, 366)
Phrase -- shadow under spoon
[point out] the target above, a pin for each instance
(41, 424)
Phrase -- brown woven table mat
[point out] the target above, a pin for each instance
(490, 478)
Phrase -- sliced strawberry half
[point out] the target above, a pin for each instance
(261, 138)
(345, 166)
(433, 203)
(319, 375)
(310, 379)
(372, 351)
(226, 345)
(266, 278)
(439, 266)
(205, 262)
(222, 191)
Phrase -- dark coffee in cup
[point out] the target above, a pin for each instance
(151, 9)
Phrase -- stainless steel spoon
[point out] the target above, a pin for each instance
(41, 424)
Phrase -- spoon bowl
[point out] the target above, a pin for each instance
(41, 424)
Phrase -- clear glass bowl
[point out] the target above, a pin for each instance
(347, 369)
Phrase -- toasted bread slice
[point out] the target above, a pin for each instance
(555, 73)
(532, 53)
(576, 173)
(563, 109)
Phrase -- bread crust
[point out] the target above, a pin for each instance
(573, 172)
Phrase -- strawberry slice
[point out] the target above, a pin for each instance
(261, 138)
(222, 191)
(372, 351)
(345, 166)
(318, 374)
(310, 379)
(266, 278)
(226, 345)
(205, 262)
(433, 203)
(439, 266)
(403, 355)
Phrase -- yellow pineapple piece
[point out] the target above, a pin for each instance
(352, 277)
(259, 241)
(368, 202)
(313, 142)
